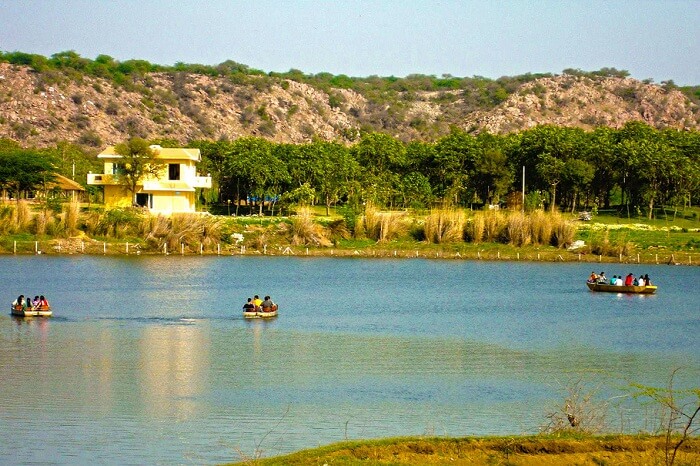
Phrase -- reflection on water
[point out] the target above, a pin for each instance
(143, 364)
(173, 363)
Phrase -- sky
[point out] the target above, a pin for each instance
(652, 39)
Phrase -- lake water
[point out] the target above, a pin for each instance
(148, 360)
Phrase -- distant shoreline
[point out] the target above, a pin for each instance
(465, 251)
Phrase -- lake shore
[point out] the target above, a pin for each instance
(563, 449)
(406, 250)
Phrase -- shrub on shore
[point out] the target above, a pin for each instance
(380, 226)
(304, 231)
(444, 226)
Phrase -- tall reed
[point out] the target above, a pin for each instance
(475, 228)
(7, 222)
(304, 231)
(444, 226)
(494, 225)
(22, 215)
(71, 214)
(381, 226)
(41, 221)
(564, 233)
(519, 230)
(541, 224)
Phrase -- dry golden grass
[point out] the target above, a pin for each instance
(494, 225)
(519, 229)
(71, 214)
(516, 451)
(22, 215)
(304, 231)
(189, 230)
(541, 227)
(444, 226)
(380, 226)
(41, 221)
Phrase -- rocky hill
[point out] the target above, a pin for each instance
(40, 108)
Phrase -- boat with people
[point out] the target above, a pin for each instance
(260, 313)
(630, 284)
(635, 289)
(38, 307)
(20, 311)
(257, 308)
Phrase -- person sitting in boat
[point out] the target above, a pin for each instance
(267, 304)
(647, 282)
(602, 278)
(29, 303)
(19, 302)
(249, 306)
(618, 281)
(593, 278)
(43, 302)
(640, 280)
(35, 302)
(257, 301)
(613, 280)
(629, 279)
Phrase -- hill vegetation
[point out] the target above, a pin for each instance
(67, 97)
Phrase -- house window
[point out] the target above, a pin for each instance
(144, 200)
(117, 169)
(174, 171)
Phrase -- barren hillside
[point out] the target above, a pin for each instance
(41, 108)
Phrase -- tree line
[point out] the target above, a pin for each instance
(636, 167)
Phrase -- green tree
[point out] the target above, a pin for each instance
(551, 170)
(383, 159)
(577, 175)
(137, 163)
(337, 170)
(252, 166)
(455, 161)
(24, 170)
(492, 175)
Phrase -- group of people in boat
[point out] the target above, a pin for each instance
(256, 304)
(617, 280)
(39, 303)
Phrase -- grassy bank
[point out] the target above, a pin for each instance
(437, 234)
(525, 451)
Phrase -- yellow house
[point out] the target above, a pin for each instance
(171, 191)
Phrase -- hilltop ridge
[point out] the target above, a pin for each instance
(42, 107)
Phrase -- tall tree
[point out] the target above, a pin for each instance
(24, 170)
(138, 162)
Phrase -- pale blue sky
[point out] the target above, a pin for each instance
(650, 39)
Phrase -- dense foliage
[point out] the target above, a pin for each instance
(637, 167)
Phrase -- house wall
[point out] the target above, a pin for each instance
(117, 196)
(177, 201)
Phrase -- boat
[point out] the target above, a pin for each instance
(633, 289)
(258, 313)
(19, 311)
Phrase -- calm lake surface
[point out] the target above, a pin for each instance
(148, 360)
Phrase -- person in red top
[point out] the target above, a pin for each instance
(629, 280)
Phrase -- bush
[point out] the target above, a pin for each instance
(444, 226)
(380, 226)
(304, 231)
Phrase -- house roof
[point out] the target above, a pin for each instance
(65, 184)
(167, 153)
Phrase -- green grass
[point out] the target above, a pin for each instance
(561, 449)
